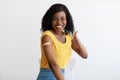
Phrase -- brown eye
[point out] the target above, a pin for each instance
(63, 18)
(54, 19)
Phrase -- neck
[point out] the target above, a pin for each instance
(58, 33)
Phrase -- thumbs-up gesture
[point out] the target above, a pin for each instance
(75, 40)
(75, 35)
(78, 47)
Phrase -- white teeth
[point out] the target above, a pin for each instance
(59, 26)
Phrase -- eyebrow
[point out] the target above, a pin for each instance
(60, 17)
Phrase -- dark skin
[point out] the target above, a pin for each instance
(77, 46)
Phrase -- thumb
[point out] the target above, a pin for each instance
(75, 33)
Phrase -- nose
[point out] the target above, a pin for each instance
(59, 22)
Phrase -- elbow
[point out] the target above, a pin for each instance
(52, 65)
(83, 53)
(85, 56)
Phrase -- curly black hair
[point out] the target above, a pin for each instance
(47, 18)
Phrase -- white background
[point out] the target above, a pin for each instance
(98, 25)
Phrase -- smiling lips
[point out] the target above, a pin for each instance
(58, 26)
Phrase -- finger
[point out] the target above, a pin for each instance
(75, 33)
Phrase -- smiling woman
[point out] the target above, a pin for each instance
(59, 21)
(57, 43)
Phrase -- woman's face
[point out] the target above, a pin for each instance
(59, 21)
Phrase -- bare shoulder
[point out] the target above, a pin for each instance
(46, 38)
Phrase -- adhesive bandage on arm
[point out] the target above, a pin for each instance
(46, 43)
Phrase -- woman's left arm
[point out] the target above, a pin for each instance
(78, 47)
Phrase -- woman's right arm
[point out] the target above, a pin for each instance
(47, 47)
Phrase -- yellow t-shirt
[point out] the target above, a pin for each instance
(62, 51)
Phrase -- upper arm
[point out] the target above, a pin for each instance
(49, 53)
(48, 49)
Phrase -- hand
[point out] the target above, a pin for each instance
(78, 46)
(75, 35)
(75, 40)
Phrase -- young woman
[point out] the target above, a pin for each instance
(57, 42)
